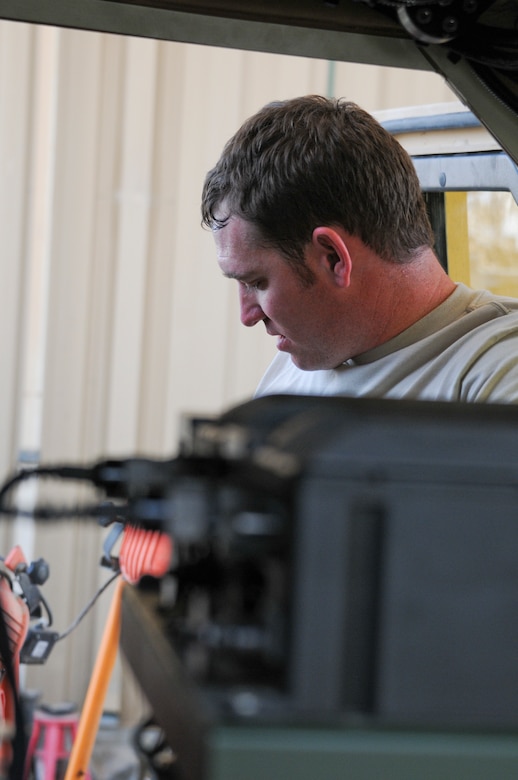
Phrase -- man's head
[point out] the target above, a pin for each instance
(311, 161)
(317, 213)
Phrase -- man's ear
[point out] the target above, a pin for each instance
(333, 253)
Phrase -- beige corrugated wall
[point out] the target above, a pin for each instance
(115, 317)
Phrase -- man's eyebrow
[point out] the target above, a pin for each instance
(240, 277)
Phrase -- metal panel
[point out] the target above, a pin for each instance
(283, 36)
(490, 172)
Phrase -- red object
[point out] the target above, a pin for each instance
(15, 558)
(144, 552)
(15, 615)
(51, 740)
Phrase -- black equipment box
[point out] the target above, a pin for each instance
(344, 562)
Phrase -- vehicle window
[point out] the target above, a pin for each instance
(492, 223)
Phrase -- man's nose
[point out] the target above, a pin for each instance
(251, 312)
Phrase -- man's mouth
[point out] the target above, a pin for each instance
(282, 343)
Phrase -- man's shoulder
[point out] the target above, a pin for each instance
(477, 299)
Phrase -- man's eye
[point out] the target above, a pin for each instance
(253, 286)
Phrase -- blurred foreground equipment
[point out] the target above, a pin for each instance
(341, 567)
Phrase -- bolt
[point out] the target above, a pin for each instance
(450, 24)
(424, 16)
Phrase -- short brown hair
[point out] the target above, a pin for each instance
(312, 161)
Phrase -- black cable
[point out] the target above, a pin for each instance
(88, 607)
(43, 600)
(63, 472)
(52, 513)
(12, 481)
(46, 512)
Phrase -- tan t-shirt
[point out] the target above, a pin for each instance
(464, 350)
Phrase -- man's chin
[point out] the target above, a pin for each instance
(304, 364)
(312, 362)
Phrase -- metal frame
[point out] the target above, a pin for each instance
(227, 30)
(493, 171)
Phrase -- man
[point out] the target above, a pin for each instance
(317, 213)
